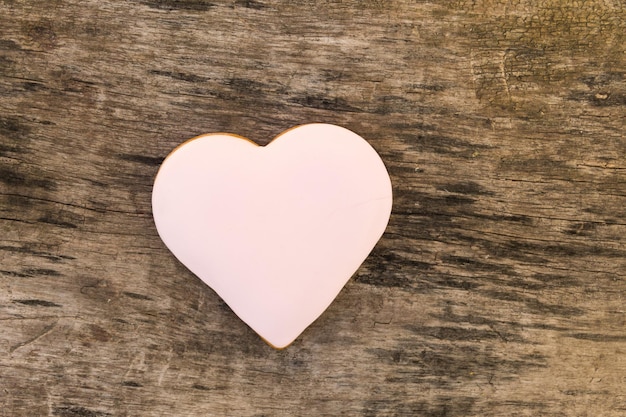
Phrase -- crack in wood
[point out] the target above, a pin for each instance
(46, 330)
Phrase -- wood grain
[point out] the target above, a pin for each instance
(497, 290)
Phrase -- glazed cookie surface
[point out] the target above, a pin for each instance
(275, 230)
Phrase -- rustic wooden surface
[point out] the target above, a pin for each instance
(498, 289)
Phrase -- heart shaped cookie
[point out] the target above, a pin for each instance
(275, 230)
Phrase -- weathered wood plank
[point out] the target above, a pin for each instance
(498, 288)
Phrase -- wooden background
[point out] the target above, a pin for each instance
(498, 289)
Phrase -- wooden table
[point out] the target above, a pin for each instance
(498, 289)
